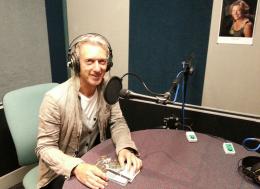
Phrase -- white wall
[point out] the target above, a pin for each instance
(108, 18)
(232, 78)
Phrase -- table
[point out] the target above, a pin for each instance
(171, 162)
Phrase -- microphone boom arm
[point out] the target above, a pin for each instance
(127, 94)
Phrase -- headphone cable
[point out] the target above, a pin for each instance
(247, 140)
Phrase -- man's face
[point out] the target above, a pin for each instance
(93, 64)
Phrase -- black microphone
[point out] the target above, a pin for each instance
(112, 90)
(173, 87)
(188, 69)
(127, 94)
(187, 64)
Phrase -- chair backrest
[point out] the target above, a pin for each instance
(21, 109)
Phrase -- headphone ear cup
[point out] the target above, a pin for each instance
(109, 64)
(74, 63)
(256, 170)
(251, 168)
(110, 58)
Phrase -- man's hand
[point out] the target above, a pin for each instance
(130, 160)
(90, 175)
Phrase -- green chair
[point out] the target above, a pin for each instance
(21, 109)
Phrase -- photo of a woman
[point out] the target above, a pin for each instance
(242, 25)
(237, 21)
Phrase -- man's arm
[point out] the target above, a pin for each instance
(125, 147)
(120, 132)
(47, 148)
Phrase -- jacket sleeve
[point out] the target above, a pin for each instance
(47, 148)
(120, 132)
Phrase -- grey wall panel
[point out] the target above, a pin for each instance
(24, 51)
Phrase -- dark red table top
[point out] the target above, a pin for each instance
(171, 162)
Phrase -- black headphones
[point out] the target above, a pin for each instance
(250, 168)
(73, 59)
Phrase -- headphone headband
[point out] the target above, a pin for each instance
(73, 59)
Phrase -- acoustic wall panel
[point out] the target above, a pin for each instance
(24, 54)
(162, 35)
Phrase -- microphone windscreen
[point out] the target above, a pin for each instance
(112, 90)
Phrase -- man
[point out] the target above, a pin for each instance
(74, 113)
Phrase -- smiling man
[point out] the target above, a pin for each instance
(74, 114)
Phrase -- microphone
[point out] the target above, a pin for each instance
(187, 64)
(127, 94)
(188, 69)
(112, 90)
(173, 87)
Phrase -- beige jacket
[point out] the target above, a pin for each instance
(60, 130)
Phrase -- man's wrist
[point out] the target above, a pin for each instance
(74, 169)
(135, 152)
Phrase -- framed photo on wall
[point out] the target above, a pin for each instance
(237, 23)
